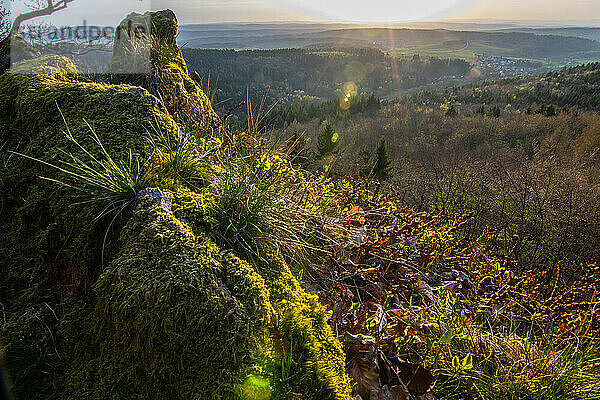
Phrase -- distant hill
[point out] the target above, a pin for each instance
(579, 32)
(560, 45)
(573, 87)
(299, 75)
(508, 44)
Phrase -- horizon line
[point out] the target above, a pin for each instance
(592, 23)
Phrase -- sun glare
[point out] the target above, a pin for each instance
(378, 10)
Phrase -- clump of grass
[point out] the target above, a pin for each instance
(265, 206)
(99, 178)
(175, 155)
(181, 157)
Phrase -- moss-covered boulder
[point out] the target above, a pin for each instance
(139, 303)
(39, 100)
(178, 318)
(51, 249)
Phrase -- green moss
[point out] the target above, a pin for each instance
(31, 123)
(299, 325)
(168, 314)
(176, 317)
(179, 318)
(167, 173)
(317, 370)
(51, 248)
(180, 93)
(47, 65)
(38, 215)
(119, 114)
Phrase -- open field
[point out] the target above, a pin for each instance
(466, 51)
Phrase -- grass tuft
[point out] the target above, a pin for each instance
(99, 178)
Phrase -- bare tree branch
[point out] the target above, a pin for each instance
(51, 8)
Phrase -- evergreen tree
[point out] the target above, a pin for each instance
(547, 110)
(373, 104)
(550, 111)
(381, 168)
(451, 111)
(327, 141)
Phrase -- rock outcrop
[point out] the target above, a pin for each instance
(146, 54)
(139, 303)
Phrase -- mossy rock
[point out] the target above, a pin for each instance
(179, 318)
(51, 250)
(36, 92)
(34, 98)
(168, 314)
(176, 317)
(146, 54)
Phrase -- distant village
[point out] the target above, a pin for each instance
(500, 67)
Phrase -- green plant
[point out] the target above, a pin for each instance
(327, 142)
(381, 167)
(179, 157)
(98, 178)
(262, 204)
(297, 149)
(286, 361)
(258, 207)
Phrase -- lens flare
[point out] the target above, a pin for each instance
(350, 90)
(345, 103)
(256, 387)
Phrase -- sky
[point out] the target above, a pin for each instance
(102, 12)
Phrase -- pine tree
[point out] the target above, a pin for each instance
(451, 111)
(327, 141)
(373, 104)
(381, 169)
